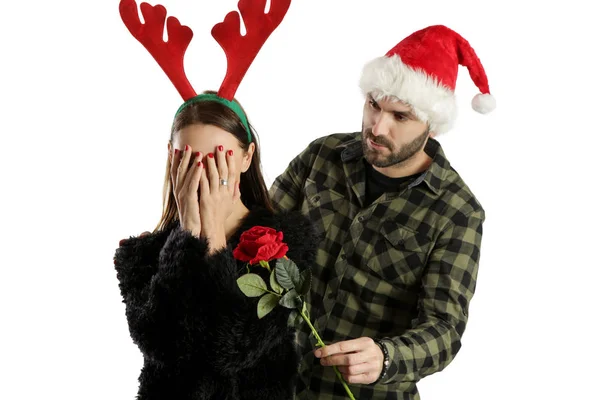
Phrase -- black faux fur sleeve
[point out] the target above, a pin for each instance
(136, 261)
(193, 276)
(137, 264)
(170, 293)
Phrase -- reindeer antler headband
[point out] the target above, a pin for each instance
(239, 50)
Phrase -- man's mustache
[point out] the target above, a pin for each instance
(376, 139)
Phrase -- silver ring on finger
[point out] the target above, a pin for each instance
(223, 182)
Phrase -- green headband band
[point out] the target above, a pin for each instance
(235, 107)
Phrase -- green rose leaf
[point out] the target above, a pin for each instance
(305, 281)
(274, 285)
(266, 304)
(288, 274)
(291, 300)
(252, 285)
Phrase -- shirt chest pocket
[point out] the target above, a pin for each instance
(399, 254)
(324, 206)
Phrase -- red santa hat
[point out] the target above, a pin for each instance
(421, 71)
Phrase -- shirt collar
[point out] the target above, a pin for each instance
(434, 177)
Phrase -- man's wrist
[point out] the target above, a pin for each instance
(386, 360)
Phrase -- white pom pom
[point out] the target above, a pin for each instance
(483, 103)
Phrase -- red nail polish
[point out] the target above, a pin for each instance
(122, 241)
(186, 147)
(176, 151)
(220, 148)
(210, 155)
(199, 163)
(197, 154)
(230, 152)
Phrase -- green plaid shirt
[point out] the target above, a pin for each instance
(402, 269)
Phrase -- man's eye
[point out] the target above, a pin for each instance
(374, 104)
(400, 117)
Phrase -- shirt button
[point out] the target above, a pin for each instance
(361, 218)
(331, 296)
(343, 257)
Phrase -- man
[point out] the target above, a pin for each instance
(401, 231)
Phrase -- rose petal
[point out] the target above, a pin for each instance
(239, 254)
(282, 251)
(263, 253)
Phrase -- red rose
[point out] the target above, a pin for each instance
(260, 243)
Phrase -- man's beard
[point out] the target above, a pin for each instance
(406, 151)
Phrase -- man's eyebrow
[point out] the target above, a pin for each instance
(406, 114)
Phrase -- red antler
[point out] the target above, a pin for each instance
(241, 50)
(169, 55)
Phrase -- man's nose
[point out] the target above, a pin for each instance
(382, 125)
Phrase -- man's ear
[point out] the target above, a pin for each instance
(432, 134)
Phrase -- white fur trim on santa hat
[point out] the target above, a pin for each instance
(431, 101)
(483, 103)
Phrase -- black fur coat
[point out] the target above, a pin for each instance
(199, 334)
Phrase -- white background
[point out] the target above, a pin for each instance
(84, 120)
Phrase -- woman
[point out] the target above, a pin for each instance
(199, 334)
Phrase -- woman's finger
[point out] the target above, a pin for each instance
(222, 167)
(188, 185)
(194, 184)
(183, 167)
(204, 180)
(213, 174)
(175, 158)
(232, 172)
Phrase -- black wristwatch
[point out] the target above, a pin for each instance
(386, 360)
